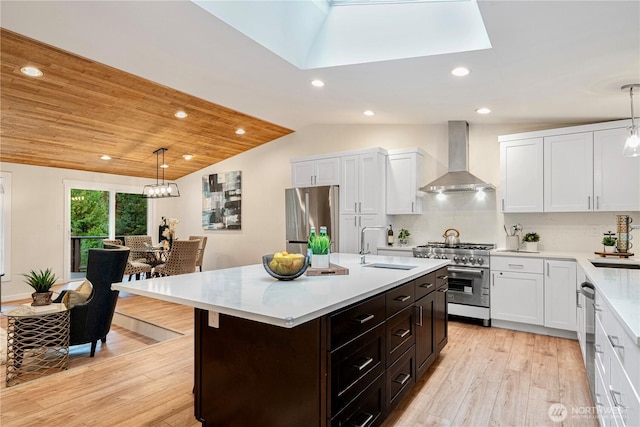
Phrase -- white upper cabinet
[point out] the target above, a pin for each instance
(317, 172)
(582, 170)
(568, 173)
(404, 173)
(616, 179)
(521, 175)
(362, 183)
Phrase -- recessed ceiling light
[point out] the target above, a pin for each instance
(369, 113)
(105, 157)
(181, 114)
(317, 83)
(460, 71)
(187, 156)
(31, 71)
(164, 166)
(483, 110)
(240, 131)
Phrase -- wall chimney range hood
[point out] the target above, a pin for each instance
(458, 178)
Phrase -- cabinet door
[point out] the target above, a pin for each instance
(440, 311)
(349, 234)
(425, 346)
(402, 183)
(517, 297)
(349, 185)
(616, 178)
(521, 175)
(560, 295)
(568, 173)
(328, 171)
(302, 173)
(371, 183)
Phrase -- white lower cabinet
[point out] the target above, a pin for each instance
(517, 290)
(534, 291)
(617, 362)
(560, 295)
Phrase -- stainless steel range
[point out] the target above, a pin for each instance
(468, 276)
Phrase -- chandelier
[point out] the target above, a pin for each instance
(162, 189)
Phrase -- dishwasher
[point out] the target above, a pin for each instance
(589, 292)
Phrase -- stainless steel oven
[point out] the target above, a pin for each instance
(469, 293)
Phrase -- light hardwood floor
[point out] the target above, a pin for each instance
(484, 377)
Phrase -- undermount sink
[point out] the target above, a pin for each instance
(391, 266)
(628, 266)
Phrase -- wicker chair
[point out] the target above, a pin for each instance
(181, 259)
(203, 244)
(137, 246)
(133, 266)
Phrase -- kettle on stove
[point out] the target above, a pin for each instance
(451, 237)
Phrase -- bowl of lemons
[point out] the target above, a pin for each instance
(285, 266)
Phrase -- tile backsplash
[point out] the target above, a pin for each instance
(480, 221)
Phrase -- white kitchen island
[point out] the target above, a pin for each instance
(318, 350)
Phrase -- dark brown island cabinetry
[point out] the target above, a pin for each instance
(347, 368)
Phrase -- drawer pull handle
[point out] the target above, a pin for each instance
(596, 307)
(516, 265)
(443, 277)
(616, 403)
(426, 285)
(597, 350)
(402, 333)
(443, 290)
(367, 362)
(614, 338)
(362, 422)
(364, 318)
(402, 298)
(402, 379)
(419, 322)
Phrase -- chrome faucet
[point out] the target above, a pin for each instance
(362, 252)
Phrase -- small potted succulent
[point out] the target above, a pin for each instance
(403, 236)
(530, 241)
(41, 281)
(609, 243)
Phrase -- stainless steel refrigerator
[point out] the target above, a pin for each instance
(311, 207)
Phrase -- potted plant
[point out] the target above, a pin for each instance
(530, 241)
(41, 281)
(403, 236)
(609, 243)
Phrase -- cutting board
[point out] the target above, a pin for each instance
(618, 254)
(333, 269)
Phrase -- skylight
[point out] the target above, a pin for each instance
(313, 34)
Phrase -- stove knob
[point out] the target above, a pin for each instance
(455, 258)
(472, 260)
(464, 260)
(444, 257)
(480, 261)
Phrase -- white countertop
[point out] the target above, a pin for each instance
(618, 286)
(250, 293)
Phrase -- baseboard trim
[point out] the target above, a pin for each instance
(535, 329)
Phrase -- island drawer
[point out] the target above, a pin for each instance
(354, 366)
(401, 377)
(442, 276)
(400, 297)
(347, 324)
(400, 334)
(424, 285)
(367, 410)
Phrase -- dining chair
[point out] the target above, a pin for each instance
(133, 266)
(181, 259)
(137, 246)
(203, 244)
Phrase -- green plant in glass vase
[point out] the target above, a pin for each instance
(403, 236)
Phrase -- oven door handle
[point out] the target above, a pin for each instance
(470, 271)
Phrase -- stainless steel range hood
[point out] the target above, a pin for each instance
(458, 178)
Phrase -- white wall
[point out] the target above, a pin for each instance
(38, 210)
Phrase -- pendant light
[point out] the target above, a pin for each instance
(632, 144)
(162, 189)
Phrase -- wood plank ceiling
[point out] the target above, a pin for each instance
(80, 110)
